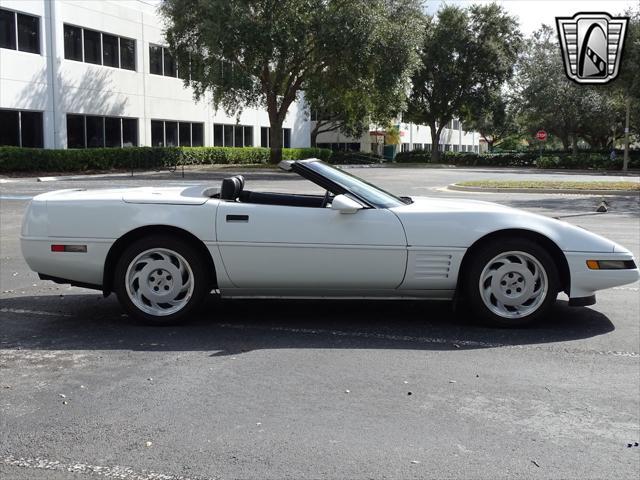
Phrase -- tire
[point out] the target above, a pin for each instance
(511, 283)
(161, 280)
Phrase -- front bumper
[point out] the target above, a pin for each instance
(585, 282)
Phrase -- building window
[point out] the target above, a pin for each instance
(7, 29)
(10, 132)
(417, 146)
(99, 48)
(228, 136)
(75, 131)
(184, 134)
(286, 137)
(72, 43)
(218, 138)
(157, 133)
(232, 135)
(265, 137)
(28, 33)
(19, 30)
(94, 128)
(248, 136)
(197, 134)
(405, 147)
(21, 128)
(155, 60)
(110, 51)
(476, 149)
(170, 69)
(161, 62)
(112, 134)
(91, 131)
(456, 148)
(127, 53)
(456, 124)
(129, 132)
(92, 47)
(173, 134)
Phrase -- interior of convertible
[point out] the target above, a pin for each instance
(232, 190)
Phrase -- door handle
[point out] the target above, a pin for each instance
(237, 218)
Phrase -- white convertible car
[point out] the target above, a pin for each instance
(162, 250)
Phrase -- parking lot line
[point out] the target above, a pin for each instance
(121, 473)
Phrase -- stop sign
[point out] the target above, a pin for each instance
(541, 135)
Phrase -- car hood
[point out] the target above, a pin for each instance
(435, 204)
(452, 222)
(186, 195)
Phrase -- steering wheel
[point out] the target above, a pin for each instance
(325, 200)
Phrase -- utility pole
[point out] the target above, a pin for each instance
(625, 161)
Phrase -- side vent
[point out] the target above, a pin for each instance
(431, 265)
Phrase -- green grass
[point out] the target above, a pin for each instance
(553, 185)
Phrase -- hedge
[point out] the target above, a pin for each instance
(16, 159)
(562, 160)
(355, 158)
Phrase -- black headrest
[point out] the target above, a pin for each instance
(230, 189)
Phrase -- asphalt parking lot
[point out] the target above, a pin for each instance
(331, 389)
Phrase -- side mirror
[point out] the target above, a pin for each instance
(344, 204)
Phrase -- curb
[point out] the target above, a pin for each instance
(461, 188)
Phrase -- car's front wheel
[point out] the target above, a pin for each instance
(160, 280)
(511, 283)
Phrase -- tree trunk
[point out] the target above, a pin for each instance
(314, 136)
(625, 160)
(275, 142)
(565, 142)
(435, 141)
(574, 144)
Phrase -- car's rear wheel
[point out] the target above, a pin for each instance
(161, 280)
(513, 282)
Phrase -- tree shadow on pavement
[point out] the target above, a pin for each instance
(618, 205)
(229, 327)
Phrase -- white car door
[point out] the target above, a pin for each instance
(300, 248)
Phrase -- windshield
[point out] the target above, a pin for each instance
(364, 190)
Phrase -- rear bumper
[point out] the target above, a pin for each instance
(74, 267)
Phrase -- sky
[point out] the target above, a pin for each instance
(533, 13)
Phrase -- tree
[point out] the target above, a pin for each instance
(628, 82)
(346, 112)
(570, 111)
(377, 94)
(466, 55)
(549, 100)
(263, 53)
(494, 119)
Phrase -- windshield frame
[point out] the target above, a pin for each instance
(343, 182)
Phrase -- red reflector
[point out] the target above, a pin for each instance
(69, 248)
